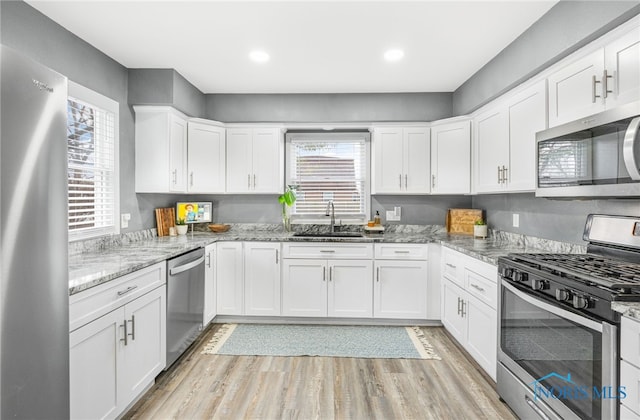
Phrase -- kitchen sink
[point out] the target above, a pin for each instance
(328, 234)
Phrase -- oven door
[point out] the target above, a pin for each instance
(567, 361)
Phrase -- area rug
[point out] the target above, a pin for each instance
(379, 342)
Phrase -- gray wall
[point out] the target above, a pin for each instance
(344, 107)
(568, 26)
(420, 210)
(561, 220)
(28, 31)
(165, 87)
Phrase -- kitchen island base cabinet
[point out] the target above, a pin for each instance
(116, 357)
(400, 290)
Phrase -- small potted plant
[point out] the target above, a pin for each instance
(480, 229)
(287, 199)
(181, 226)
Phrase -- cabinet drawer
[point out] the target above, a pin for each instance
(630, 378)
(400, 251)
(482, 288)
(327, 250)
(97, 301)
(630, 341)
(452, 266)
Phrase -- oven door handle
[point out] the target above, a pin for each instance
(585, 322)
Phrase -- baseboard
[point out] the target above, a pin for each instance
(241, 319)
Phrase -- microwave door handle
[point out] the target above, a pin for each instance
(631, 149)
(585, 322)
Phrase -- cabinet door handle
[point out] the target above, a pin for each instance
(127, 290)
(377, 274)
(499, 175)
(191, 178)
(133, 327)
(475, 286)
(248, 181)
(125, 333)
(277, 259)
(400, 178)
(209, 260)
(504, 174)
(254, 181)
(594, 82)
(175, 176)
(464, 313)
(324, 273)
(459, 310)
(433, 181)
(605, 83)
(330, 273)
(406, 182)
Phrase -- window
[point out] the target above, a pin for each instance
(329, 167)
(92, 155)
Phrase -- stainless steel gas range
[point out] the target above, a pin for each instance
(558, 336)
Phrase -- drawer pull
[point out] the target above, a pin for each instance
(451, 265)
(402, 252)
(327, 250)
(127, 290)
(475, 286)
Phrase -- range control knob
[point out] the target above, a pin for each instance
(519, 276)
(563, 295)
(505, 272)
(580, 302)
(539, 284)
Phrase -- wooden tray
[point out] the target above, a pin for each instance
(461, 221)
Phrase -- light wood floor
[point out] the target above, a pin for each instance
(257, 387)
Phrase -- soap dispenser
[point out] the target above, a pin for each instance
(376, 219)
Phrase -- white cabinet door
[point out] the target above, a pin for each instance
(575, 90)
(146, 344)
(400, 289)
(527, 116)
(239, 160)
(622, 62)
(452, 301)
(481, 340)
(492, 150)
(178, 153)
(209, 284)
(350, 293)
(94, 358)
(206, 148)
(304, 288)
(388, 160)
(261, 278)
(451, 158)
(229, 277)
(268, 151)
(417, 152)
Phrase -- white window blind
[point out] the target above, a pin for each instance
(92, 152)
(564, 162)
(329, 167)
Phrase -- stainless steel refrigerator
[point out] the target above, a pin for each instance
(34, 314)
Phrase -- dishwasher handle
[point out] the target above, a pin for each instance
(188, 266)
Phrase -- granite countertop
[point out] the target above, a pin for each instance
(628, 309)
(91, 267)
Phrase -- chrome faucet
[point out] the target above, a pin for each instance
(331, 211)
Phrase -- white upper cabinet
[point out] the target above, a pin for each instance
(175, 154)
(255, 160)
(505, 141)
(401, 160)
(603, 79)
(451, 158)
(205, 157)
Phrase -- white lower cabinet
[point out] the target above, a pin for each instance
(630, 367)
(209, 284)
(261, 278)
(318, 286)
(229, 277)
(469, 306)
(116, 356)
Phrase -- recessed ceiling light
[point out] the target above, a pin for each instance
(259, 56)
(393, 55)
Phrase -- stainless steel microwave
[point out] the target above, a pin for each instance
(597, 156)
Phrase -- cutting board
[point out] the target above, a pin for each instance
(165, 218)
(461, 221)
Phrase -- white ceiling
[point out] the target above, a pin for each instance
(315, 46)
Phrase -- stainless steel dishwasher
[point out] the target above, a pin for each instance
(185, 302)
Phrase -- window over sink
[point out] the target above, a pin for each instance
(331, 167)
